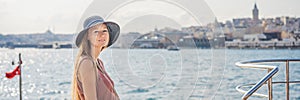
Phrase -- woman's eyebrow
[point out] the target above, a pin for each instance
(103, 29)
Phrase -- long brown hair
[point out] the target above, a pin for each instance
(84, 50)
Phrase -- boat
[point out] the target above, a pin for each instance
(173, 48)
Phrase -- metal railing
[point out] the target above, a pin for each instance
(272, 70)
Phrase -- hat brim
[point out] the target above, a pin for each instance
(113, 29)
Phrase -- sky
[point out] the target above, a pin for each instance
(62, 16)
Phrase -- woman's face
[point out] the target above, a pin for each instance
(98, 36)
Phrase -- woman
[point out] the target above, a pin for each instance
(90, 80)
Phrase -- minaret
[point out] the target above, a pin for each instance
(255, 14)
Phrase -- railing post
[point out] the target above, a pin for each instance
(270, 90)
(287, 89)
(272, 70)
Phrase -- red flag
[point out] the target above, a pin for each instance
(12, 74)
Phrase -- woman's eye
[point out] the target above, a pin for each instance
(104, 31)
(96, 31)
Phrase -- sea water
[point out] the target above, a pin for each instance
(148, 74)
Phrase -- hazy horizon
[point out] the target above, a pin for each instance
(33, 16)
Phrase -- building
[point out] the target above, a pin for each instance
(126, 39)
(151, 40)
(193, 42)
(255, 14)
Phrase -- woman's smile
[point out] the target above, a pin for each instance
(101, 40)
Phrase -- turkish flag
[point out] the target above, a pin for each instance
(12, 74)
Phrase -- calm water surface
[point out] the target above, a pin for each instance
(149, 74)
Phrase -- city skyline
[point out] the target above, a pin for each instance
(62, 18)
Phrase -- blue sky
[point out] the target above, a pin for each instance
(62, 16)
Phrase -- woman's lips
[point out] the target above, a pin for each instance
(101, 40)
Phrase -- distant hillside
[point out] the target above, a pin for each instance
(36, 38)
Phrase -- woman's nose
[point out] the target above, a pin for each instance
(102, 35)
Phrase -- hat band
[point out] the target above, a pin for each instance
(95, 21)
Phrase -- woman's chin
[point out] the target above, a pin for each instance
(99, 45)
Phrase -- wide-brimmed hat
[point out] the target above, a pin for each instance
(112, 27)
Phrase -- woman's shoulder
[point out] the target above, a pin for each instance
(85, 65)
(84, 57)
(85, 61)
